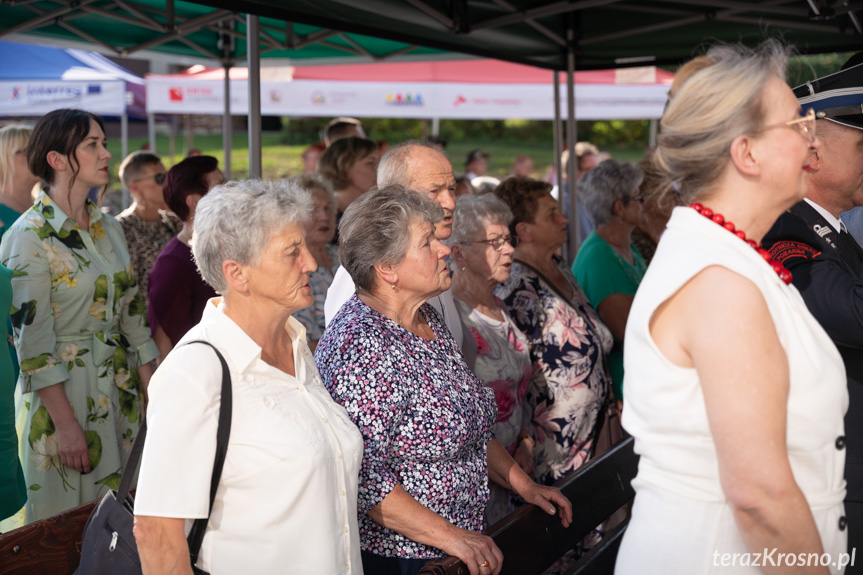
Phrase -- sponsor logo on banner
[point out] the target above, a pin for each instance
(194, 95)
(406, 99)
(463, 100)
(16, 92)
(275, 96)
(56, 94)
(94, 89)
(318, 98)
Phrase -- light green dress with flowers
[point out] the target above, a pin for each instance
(77, 318)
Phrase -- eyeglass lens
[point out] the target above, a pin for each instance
(497, 243)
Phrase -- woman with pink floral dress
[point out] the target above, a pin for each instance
(482, 258)
(568, 342)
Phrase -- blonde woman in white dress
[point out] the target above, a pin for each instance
(735, 395)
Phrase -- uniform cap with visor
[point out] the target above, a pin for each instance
(836, 97)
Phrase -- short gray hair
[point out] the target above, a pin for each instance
(395, 166)
(312, 182)
(473, 213)
(375, 229)
(235, 220)
(607, 183)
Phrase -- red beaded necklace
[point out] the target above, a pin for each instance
(719, 219)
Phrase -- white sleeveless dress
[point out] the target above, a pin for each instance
(682, 523)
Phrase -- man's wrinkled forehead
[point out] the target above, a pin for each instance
(431, 172)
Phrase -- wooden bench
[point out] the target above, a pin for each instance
(47, 547)
(532, 541)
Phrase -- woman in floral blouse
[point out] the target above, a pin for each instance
(425, 418)
(567, 340)
(482, 259)
(82, 341)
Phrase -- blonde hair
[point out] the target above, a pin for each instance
(12, 138)
(719, 97)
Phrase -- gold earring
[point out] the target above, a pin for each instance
(394, 287)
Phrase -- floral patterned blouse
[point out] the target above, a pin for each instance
(77, 317)
(321, 279)
(425, 420)
(145, 240)
(503, 363)
(568, 344)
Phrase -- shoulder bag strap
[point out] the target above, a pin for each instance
(132, 462)
(196, 535)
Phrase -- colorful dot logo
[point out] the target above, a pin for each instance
(406, 99)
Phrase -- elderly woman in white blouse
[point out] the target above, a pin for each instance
(287, 499)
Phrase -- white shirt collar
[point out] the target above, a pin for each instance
(241, 348)
(835, 223)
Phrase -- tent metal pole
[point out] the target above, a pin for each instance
(124, 149)
(435, 126)
(253, 55)
(558, 144)
(654, 128)
(571, 136)
(227, 132)
(172, 141)
(151, 132)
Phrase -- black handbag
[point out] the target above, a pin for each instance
(109, 546)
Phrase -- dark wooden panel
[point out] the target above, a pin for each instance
(531, 540)
(47, 547)
(601, 559)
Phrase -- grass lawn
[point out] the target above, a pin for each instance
(281, 161)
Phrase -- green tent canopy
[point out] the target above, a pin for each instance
(601, 33)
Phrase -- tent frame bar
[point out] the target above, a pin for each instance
(42, 19)
(253, 52)
(431, 12)
(567, 6)
(557, 39)
(725, 15)
(571, 137)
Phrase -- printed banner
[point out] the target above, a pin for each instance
(36, 98)
(406, 100)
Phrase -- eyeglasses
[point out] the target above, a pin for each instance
(805, 125)
(496, 243)
(160, 178)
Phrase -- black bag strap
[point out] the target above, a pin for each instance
(132, 463)
(196, 535)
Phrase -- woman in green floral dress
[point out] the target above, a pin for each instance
(78, 322)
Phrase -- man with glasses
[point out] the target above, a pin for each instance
(825, 260)
(147, 223)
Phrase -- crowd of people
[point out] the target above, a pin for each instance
(412, 358)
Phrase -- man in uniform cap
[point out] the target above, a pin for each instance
(825, 261)
(854, 218)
